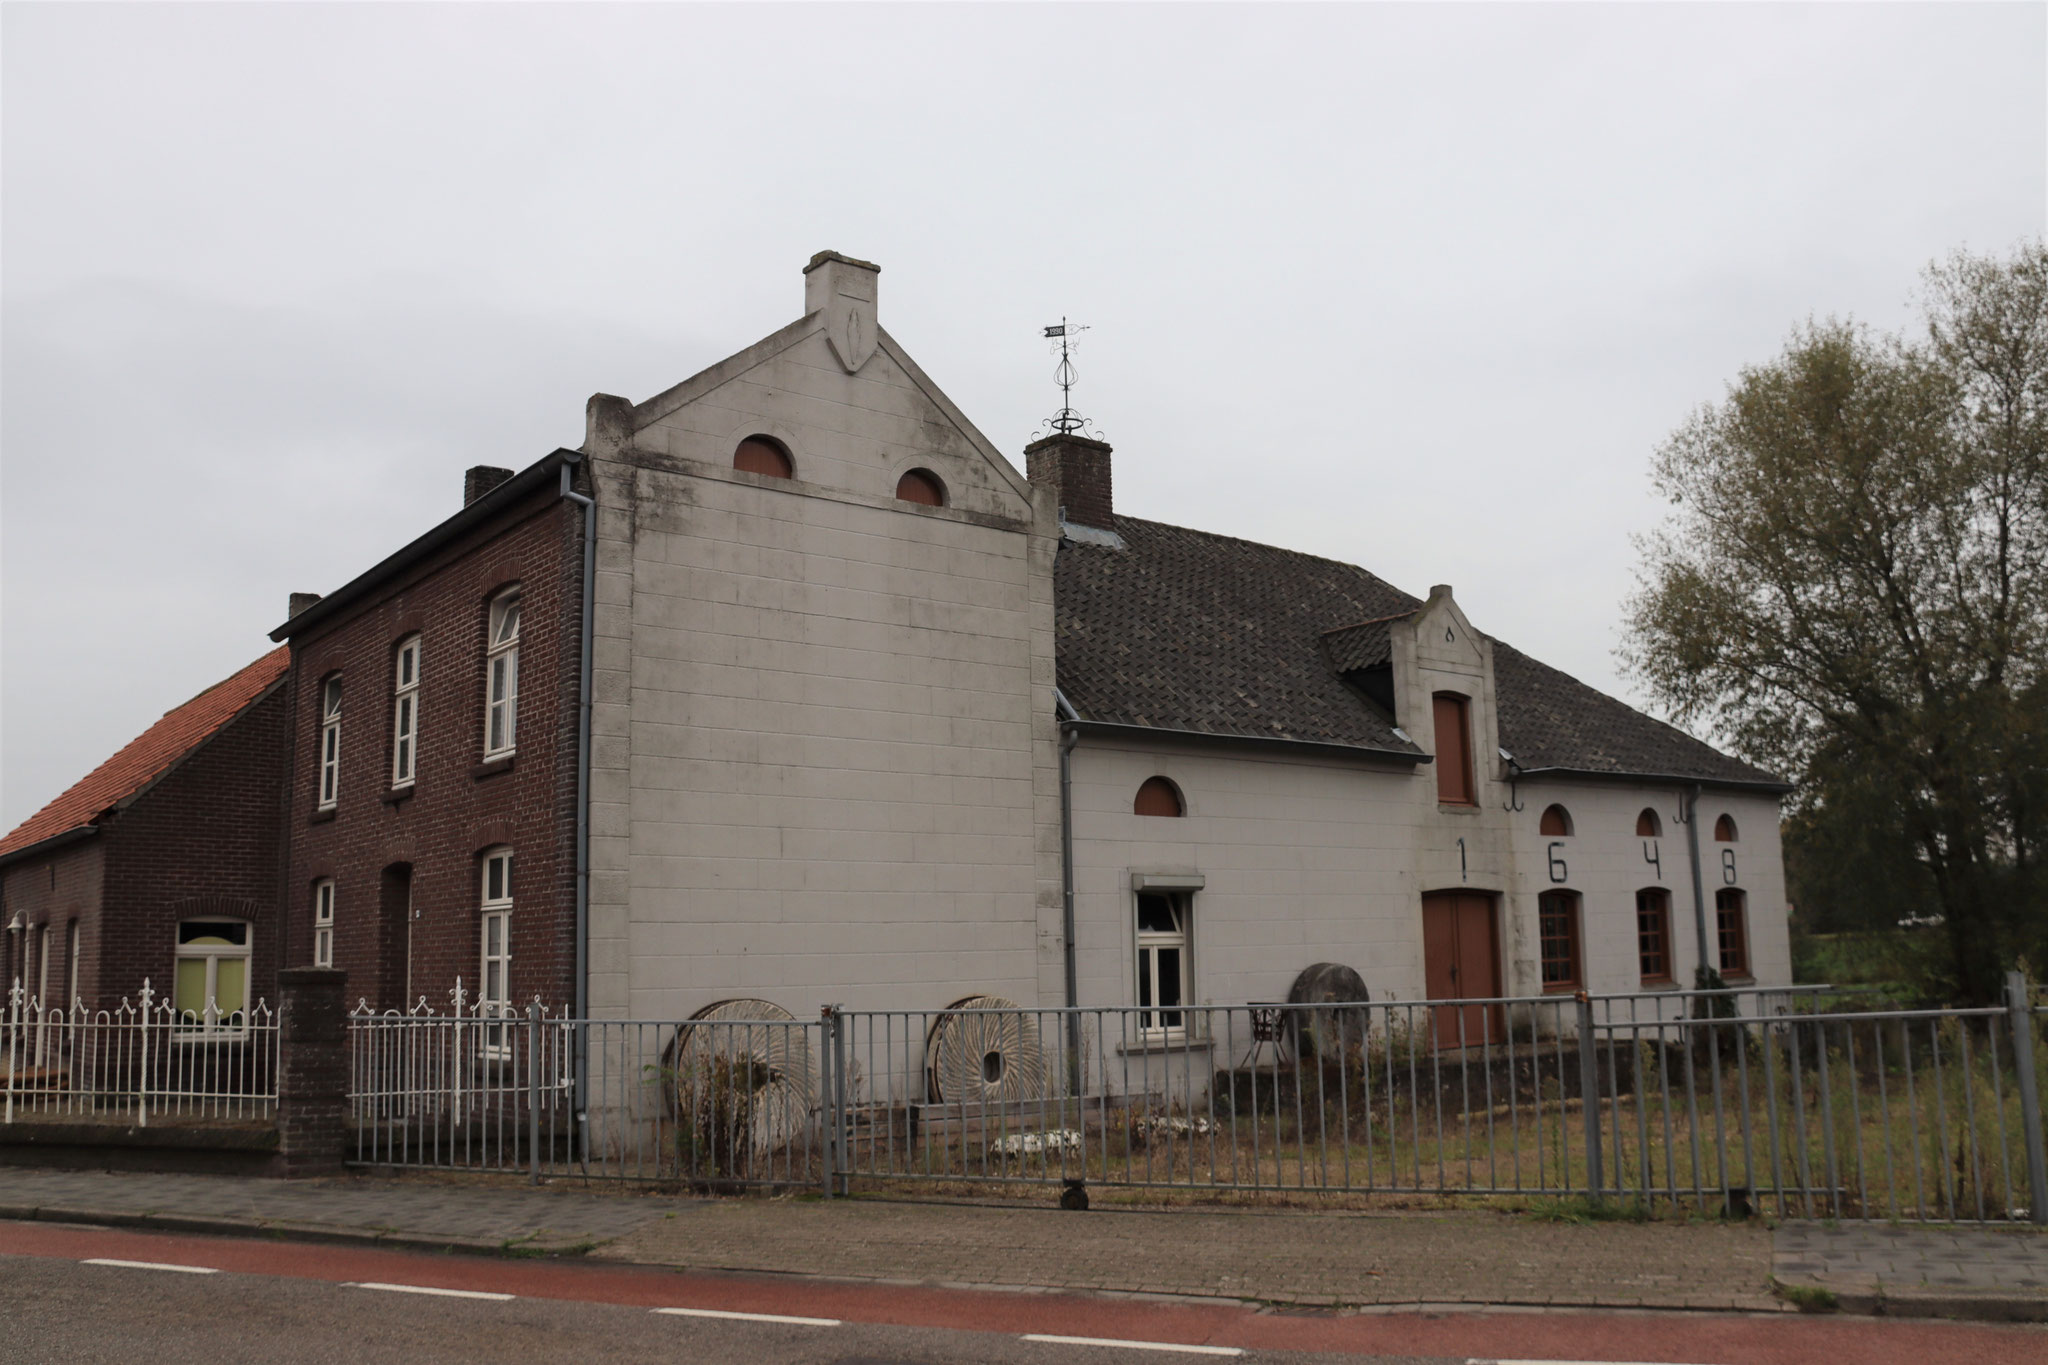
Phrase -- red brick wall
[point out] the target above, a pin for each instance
(203, 841)
(54, 889)
(452, 813)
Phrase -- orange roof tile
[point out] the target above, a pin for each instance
(181, 730)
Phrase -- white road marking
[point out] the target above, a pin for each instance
(1136, 1345)
(747, 1317)
(155, 1265)
(427, 1289)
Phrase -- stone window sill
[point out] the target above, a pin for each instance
(396, 796)
(1168, 1043)
(321, 817)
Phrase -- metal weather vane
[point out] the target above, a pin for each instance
(1067, 422)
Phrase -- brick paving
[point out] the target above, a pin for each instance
(1323, 1258)
(1319, 1258)
(1892, 1262)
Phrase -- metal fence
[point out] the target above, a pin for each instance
(140, 1062)
(1799, 1102)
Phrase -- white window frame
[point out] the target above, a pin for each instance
(330, 741)
(405, 713)
(494, 989)
(215, 1023)
(71, 939)
(501, 677)
(1152, 1017)
(42, 933)
(323, 922)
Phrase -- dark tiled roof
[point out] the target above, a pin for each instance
(176, 733)
(1184, 630)
(1550, 719)
(1369, 644)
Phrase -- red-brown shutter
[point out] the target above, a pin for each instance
(1453, 750)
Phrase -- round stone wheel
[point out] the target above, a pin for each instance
(1328, 1032)
(985, 1058)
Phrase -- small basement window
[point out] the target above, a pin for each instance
(1648, 826)
(1556, 823)
(764, 455)
(922, 487)
(1724, 830)
(1157, 796)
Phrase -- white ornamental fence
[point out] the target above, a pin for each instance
(141, 1062)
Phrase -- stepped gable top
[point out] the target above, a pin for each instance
(1191, 631)
(150, 754)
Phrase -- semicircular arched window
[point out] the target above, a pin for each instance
(1157, 796)
(763, 455)
(1556, 823)
(1648, 826)
(922, 487)
(1724, 830)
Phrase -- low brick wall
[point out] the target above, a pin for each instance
(244, 1148)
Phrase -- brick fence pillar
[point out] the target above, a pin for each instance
(312, 1071)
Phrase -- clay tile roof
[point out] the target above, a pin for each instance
(1184, 630)
(151, 753)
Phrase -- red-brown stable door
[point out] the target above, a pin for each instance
(1459, 963)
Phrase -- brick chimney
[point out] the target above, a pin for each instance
(480, 480)
(1077, 470)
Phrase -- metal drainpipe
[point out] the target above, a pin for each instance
(1692, 848)
(1070, 738)
(582, 980)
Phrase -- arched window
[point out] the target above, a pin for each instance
(211, 989)
(1724, 830)
(764, 455)
(1648, 826)
(1158, 797)
(921, 486)
(1556, 823)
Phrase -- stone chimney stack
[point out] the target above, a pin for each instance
(1075, 468)
(480, 480)
(843, 289)
(301, 601)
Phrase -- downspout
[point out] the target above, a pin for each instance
(1069, 738)
(1691, 802)
(581, 1008)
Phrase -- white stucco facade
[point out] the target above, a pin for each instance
(825, 741)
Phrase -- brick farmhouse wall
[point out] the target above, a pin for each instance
(457, 807)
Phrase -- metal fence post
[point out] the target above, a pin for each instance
(2019, 1007)
(1589, 1094)
(828, 1078)
(533, 1089)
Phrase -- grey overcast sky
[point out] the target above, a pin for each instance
(1419, 287)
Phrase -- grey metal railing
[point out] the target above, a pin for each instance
(1793, 1101)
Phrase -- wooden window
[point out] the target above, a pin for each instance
(1648, 826)
(330, 742)
(323, 922)
(1452, 714)
(210, 988)
(501, 697)
(1730, 926)
(763, 455)
(494, 981)
(1557, 929)
(1653, 933)
(1162, 960)
(1556, 823)
(921, 486)
(1724, 830)
(405, 714)
(1157, 796)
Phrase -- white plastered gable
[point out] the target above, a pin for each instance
(1437, 650)
(853, 409)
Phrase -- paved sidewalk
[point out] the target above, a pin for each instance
(1937, 1271)
(1307, 1259)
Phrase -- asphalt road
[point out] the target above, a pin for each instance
(173, 1299)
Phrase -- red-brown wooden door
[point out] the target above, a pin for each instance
(1459, 963)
